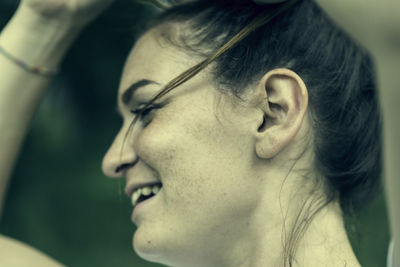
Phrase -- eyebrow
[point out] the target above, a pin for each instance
(127, 95)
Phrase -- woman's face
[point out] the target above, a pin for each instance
(197, 144)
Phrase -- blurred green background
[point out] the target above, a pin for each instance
(59, 201)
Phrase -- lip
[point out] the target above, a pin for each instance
(140, 207)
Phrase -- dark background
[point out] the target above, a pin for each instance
(59, 201)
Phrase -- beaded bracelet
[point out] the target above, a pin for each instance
(29, 67)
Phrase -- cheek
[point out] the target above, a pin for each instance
(167, 137)
(156, 144)
(199, 162)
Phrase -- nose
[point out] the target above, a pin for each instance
(119, 157)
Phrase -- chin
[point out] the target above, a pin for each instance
(147, 247)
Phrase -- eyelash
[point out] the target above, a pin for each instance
(144, 112)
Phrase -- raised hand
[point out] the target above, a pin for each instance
(38, 35)
(79, 12)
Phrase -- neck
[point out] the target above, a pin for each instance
(324, 243)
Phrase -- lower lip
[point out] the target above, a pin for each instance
(139, 207)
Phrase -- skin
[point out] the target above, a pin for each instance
(218, 168)
(76, 12)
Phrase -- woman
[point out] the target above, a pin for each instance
(256, 130)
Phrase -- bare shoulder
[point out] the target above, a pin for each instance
(14, 253)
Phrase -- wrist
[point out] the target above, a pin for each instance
(38, 40)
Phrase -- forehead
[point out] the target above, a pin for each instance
(155, 59)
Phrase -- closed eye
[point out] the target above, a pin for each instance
(144, 112)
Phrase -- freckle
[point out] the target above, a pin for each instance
(148, 242)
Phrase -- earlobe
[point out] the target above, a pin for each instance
(284, 105)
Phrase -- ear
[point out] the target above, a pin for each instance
(284, 104)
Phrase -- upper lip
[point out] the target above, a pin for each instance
(129, 188)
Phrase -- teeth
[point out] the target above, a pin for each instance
(135, 196)
(155, 189)
(146, 191)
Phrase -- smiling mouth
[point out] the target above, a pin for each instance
(144, 193)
